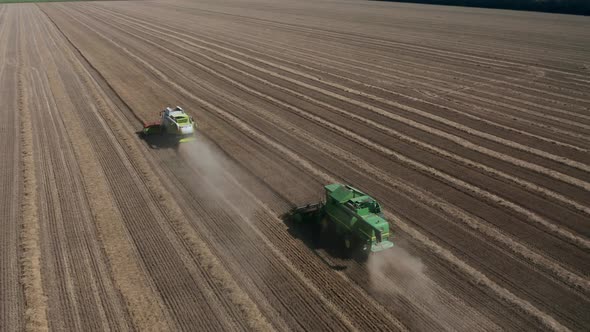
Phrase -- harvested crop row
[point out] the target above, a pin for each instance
(237, 241)
(320, 17)
(167, 80)
(319, 65)
(405, 52)
(73, 276)
(11, 185)
(519, 163)
(242, 241)
(300, 96)
(278, 270)
(35, 299)
(159, 252)
(277, 122)
(479, 159)
(81, 95)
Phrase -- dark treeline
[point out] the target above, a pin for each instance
(579, 7)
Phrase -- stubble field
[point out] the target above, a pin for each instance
(471, 127)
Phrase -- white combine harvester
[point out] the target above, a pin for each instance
(174, 122)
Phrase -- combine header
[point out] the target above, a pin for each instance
(174, 122)
(350, 214)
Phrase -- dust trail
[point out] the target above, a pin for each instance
(398, 274)
(212, 164)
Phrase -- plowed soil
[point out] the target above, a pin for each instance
(470, 126)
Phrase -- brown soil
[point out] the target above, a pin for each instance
(471, 126)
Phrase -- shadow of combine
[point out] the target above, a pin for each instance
(313, 237)
(157, 141)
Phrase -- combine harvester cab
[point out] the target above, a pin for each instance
(173, 122)
(352, 215)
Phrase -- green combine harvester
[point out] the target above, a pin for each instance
(350, 214)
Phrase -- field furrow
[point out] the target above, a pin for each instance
(469, 126)
(530, 186)
(11, 185)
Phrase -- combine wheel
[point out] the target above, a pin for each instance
(347, 241)
(363, 253)
(324, 225)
